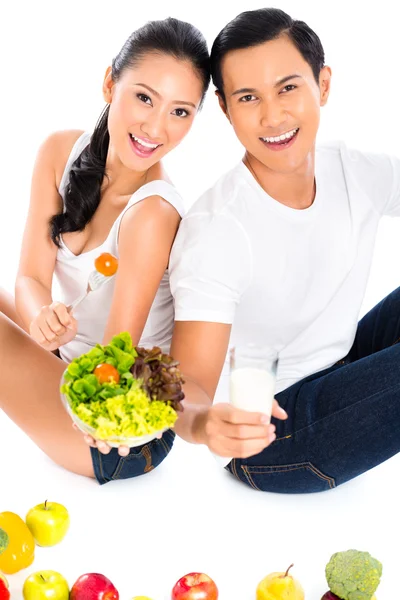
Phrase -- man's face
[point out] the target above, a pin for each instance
(270, 92)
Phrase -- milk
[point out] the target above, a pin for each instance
(252, 389)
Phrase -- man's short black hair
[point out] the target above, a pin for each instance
(254, 27)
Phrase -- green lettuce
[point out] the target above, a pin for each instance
(112, 409)
(129, 415)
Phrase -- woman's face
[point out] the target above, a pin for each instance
(152, 107)
(273, 102)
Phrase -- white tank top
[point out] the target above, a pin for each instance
(72, 272)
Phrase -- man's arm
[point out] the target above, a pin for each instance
(210, 269)
(201, 348)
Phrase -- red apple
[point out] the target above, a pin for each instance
(4, 591)
(195, 586)
(93, 586)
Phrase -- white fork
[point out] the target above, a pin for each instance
(95, 281)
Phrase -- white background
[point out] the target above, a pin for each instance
(190, 515)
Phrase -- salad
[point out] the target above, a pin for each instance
(122, 391)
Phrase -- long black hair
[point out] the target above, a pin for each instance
(82, 192)
(254, 27)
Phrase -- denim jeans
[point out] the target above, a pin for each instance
(140, 460)
(342, 421)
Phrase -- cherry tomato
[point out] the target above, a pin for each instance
(106, 373)
(106, 264)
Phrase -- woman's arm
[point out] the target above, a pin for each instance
(38, 252)
(146, 236)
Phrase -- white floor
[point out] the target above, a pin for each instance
(189, 515)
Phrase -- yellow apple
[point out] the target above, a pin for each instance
(44, 585)
(48, 523)
(279, 586)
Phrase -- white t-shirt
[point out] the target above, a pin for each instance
(290, 279)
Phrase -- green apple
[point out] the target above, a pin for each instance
(45, 585)
(48, 523)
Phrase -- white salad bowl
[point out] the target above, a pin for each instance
(115, 441)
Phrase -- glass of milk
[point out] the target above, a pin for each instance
(253, 377)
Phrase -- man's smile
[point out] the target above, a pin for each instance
(281, 142)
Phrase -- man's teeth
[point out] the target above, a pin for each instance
(143, 143)
(280, 138)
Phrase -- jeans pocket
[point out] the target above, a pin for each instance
(300, 478)
(136, 463)
(145, 458)
(166, 442)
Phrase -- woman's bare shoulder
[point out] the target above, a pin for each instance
(57, 147)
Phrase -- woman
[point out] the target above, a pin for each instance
(105, 192)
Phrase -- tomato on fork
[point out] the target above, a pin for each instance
(106, 264)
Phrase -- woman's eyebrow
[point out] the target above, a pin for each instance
(159, 95)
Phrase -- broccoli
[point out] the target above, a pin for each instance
(4, 540)
(353, 575)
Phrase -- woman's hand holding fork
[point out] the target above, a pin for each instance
(53, 326)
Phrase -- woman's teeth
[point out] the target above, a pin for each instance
(143, 143)
(281, 138)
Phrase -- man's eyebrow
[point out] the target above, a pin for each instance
(244, 91)
(159, 95)
(277, 84)
(287, 78)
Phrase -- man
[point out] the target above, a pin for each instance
(278, 253)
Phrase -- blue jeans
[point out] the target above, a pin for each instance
(342, 421)
(140, 460)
